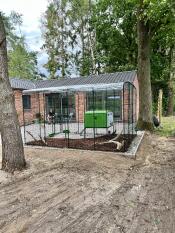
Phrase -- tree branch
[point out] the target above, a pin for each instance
(2, 41)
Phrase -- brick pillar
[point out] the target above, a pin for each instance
(80, 106)
(126, 106)
(19, 105)
(42, 103)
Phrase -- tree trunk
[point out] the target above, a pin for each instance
(62, 43)
(82, 70)
(12, 145)
(91, 42)
(145, 95)
(170, 108)
(91, 47)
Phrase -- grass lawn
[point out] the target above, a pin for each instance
(167, 127)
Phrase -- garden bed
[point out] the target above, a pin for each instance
(87, 143)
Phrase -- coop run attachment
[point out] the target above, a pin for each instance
(91, 117)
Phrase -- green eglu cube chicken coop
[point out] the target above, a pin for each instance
(98, 119)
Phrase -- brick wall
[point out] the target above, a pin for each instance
(29, 114)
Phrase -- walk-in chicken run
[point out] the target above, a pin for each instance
(91, 117)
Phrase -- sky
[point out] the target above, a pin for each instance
(31, 11)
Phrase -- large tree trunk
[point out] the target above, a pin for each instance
(145, 95)
(170, 108)
(12, 145)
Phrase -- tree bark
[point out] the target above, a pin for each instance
(63, 65)
(91, 42)
(170, 108)
(12, 145)
(145, 95)
(82, 70)
(92, 53)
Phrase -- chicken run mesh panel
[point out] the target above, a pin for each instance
(91, 117)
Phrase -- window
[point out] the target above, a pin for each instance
(26, 102)
(60, 103)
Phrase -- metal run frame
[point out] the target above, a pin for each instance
(69, 107)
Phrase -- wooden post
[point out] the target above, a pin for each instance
(159, 109)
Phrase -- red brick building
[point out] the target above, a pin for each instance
(32, 103)
(28, 104)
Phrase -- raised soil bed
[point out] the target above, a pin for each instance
(87, 143)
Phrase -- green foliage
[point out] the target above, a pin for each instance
(69, 38)
(21, 62)
(84, 38)
(167, 128)
(55, 28)
(162, 45)
(115, 26)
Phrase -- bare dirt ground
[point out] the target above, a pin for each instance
(79, 192)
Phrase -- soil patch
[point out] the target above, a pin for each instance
(87, 143)
(68, 191)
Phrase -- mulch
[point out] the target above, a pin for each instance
(86, 143)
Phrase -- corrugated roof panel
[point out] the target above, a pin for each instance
(22, 84)
(93, 79)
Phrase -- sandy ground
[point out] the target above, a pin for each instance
(80, 192)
